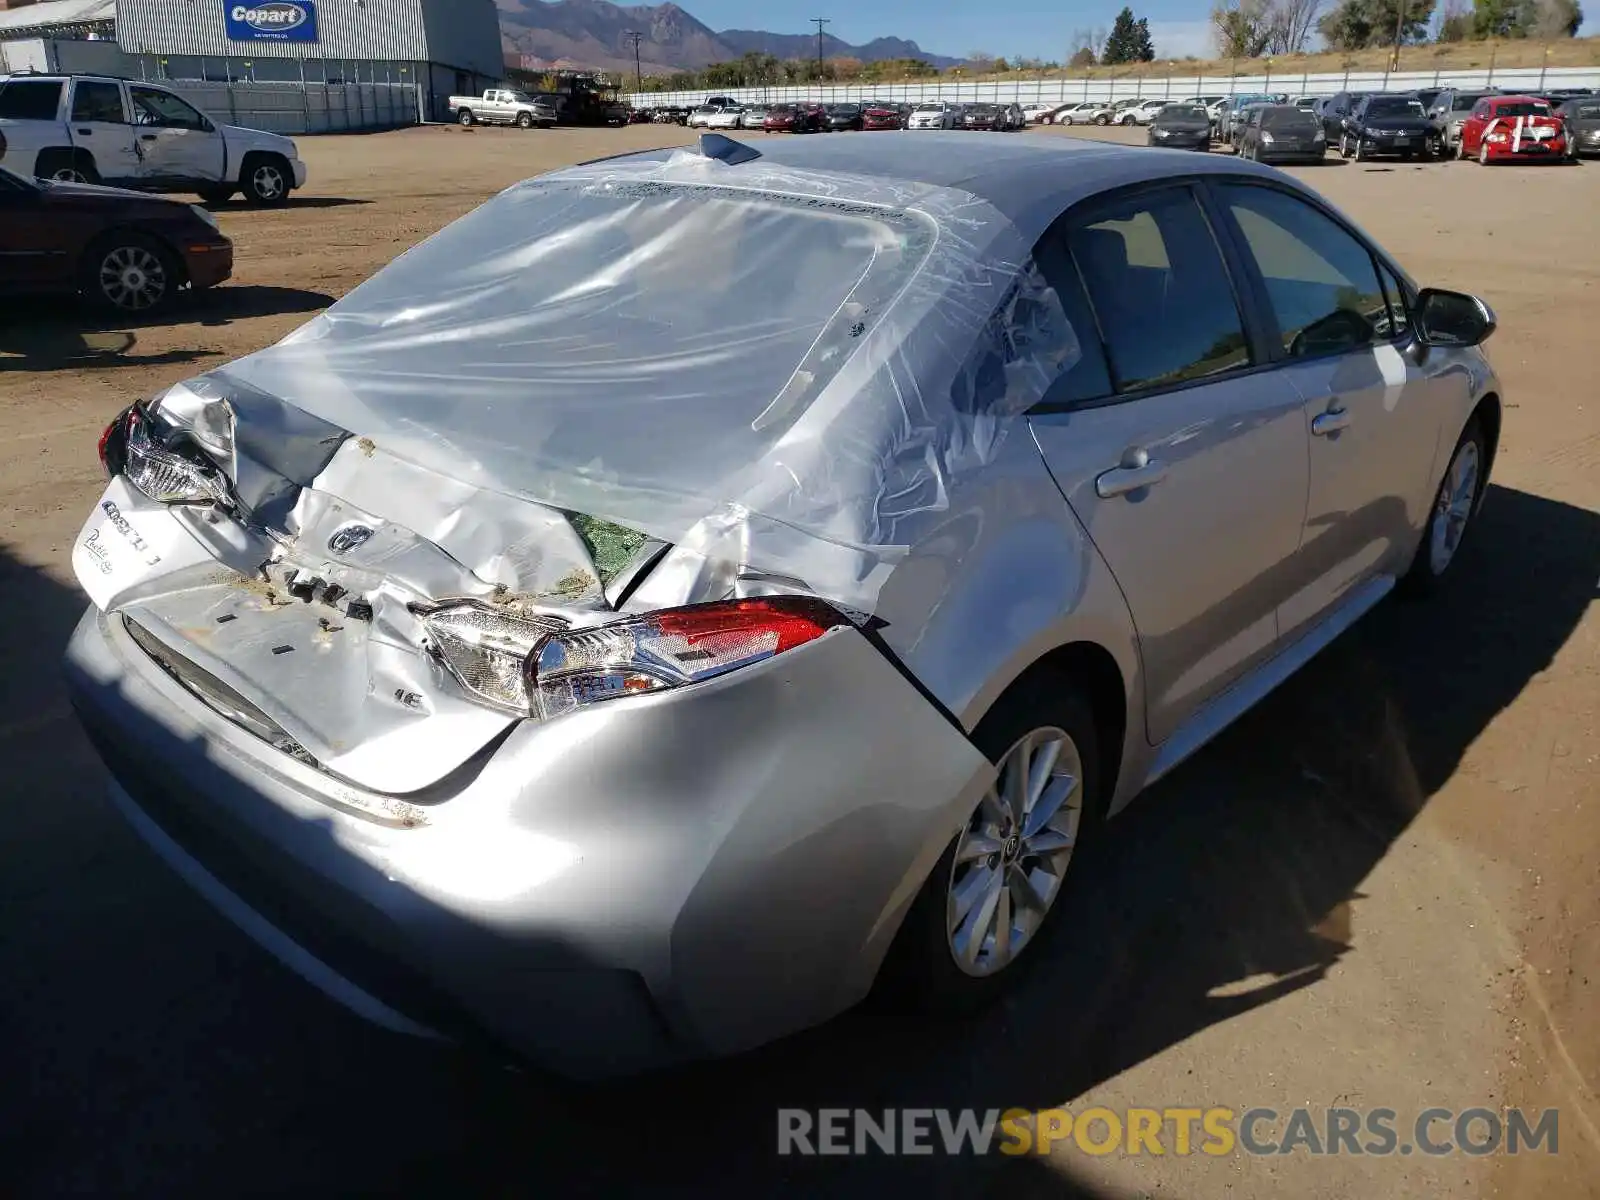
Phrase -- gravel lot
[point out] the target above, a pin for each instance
(1379, 889)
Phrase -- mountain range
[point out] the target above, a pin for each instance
(590, 34)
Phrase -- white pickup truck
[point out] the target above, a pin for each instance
(503, 106)
(131, 134)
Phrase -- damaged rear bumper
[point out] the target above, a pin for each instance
(643, 883)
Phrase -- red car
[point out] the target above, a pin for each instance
(795, 118)
(125, 251)
(1513, 129)
(880, 118)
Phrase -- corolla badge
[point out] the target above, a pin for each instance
(350, 538)
(274, 16)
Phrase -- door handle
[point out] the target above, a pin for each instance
(1331, 421)
(86, 132)
(1138, 470)
(147, 137)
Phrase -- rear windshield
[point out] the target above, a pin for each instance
(1289, 118)
(1589, 110)
(1525, 108)
(1462, 101)
(710, 316)
(1394, 106)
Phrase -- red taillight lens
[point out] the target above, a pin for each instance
(789, 621)
(113, 447)
(668, 649)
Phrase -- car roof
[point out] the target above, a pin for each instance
(1030, 179)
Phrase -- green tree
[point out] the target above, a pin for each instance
(1243, 28)
(1129, 40)
(1526, 18)
(1363, 24)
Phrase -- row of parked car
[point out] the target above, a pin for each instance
(815, 117)
(1488, 126)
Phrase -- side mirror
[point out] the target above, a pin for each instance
(1453, 318)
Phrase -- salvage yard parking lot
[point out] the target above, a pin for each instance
(1378, 890)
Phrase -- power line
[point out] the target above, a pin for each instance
(819, 22)
(634, 36)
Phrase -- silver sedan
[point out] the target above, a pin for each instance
(689, 592)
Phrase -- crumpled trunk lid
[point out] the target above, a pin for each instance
(307, 607)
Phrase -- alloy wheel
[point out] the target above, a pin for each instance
(133, 278)
(1458, 494)
(1013, 854)
(68, 175)
(268, 181)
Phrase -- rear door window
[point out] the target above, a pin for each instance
(1161, 294)
(98, 102)
(31, 99)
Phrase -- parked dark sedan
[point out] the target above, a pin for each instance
(1181, 127)
(981, 116)
(1582, 117)
(844, 116)
(1281, 133)
(1388, 124)
(126, 251)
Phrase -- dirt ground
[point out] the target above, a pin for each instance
(1379, 889)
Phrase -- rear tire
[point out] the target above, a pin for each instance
(216, 196)
(1483, 154)
(922, 971)
(465, 117)
(130, 273)
(66, 166)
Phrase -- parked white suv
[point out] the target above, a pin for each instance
(131, 134)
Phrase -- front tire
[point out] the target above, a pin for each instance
(524, 120)
(267, 180)
(998, 883)
(216, 196)
(1455, 504)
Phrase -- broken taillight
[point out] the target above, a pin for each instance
(670, 648)
(113, 448)
(169, 470)
(532, 666)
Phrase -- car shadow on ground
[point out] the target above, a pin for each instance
(60, 333)
(1227, 886)
(237, 205)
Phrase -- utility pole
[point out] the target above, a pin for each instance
(634, 36)
(1399, 27)
(819, 22)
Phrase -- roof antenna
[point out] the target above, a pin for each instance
(725, 149)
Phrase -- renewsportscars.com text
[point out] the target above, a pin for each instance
(1167, 1131)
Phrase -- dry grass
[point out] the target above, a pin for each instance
(1567, 52)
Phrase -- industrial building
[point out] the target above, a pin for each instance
(433, 48)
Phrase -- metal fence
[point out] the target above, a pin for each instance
(1174, 87)
(295, 108)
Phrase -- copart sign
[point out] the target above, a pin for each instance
(272, 20)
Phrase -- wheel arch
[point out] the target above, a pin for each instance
(1093, 668)
(1489, 415)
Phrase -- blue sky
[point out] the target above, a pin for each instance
(1030, 28)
